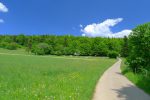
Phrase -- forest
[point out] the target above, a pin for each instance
(65, 45)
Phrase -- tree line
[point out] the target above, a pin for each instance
(65, 45)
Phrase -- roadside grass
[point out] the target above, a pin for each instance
(138, 79)
(49, 77)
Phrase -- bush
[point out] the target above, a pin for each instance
(68, 51)
(58, 53)
(77, 52)
(41, 49)
(139, 48)
(3, 44)
(113, 54)
(10, 46)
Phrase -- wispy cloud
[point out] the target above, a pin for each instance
(1, 21)
(3, 8)
(103, 29)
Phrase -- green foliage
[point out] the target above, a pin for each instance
(58, 53)
(68, 51)
(85, 49)
(7, 39)
(42, 49)
(65, 45)
(114, 44)
(29, 45)
(3, 44)
(113, 54)
(10, 46)
(58, 50)
(21, 39)
(124, 52)
(99, 50)
(139, 48)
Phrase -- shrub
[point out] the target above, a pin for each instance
(113, 54)
(3, 44)
(58, 53)
(12, 46)
(77, 52)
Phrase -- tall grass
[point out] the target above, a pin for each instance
(49, 77)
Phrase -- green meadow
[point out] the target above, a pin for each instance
(49, 77)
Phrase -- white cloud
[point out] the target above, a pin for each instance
(3, 8)
(103, 29)
(123, 33)
(1, 21)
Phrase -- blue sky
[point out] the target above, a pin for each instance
(77, 17)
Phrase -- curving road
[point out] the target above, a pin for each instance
(114, 86)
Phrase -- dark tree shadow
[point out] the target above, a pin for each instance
(119, 73)
(131, 92)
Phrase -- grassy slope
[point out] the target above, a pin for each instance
(138, 79)
(43, 77)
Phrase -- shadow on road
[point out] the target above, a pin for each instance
(131, 93)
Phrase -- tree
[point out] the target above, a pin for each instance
(124, 51)
(21, 39)
(29, 45)
(99, 47)
(113, 54)
(114, 45)
(58, 50)
(42, 49)
(85, 49)
(139, 48)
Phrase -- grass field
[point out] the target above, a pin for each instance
(19, 51)
(49, 77)
(138, 79)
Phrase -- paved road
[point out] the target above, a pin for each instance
(114, 86)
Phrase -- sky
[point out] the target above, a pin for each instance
(92, 18)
